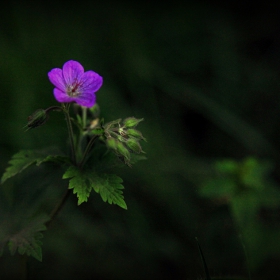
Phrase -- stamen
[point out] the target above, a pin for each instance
(73, 90)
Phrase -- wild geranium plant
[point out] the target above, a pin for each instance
(94, 147)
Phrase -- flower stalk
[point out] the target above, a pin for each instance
(70, 132)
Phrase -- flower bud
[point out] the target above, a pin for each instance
(131, 122)
(134, 146)
(38, 118)
(111, 143)
(111, 124)
(121, 149)
(135, 134)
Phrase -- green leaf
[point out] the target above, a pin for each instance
(107, 185)
(79, 182)
(26, 158)
(97, 131)
(21, 161)
(110, 189)
(56, 159)
(26, 239)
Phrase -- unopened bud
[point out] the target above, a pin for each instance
(135, 133)
(112, 143)
(38, 118)
(131, 122)
(108, 125)
(134, 146)
(121, 149)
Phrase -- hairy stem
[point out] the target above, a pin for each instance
(84, 116)
(53, 108)
(60, 204)
(87, 150)
(70, 132)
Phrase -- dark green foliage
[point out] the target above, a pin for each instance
(24, 159)
(23, 234)
(206, 78)
(107, 185)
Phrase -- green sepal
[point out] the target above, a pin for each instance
(134, 146)
(135, 133)
(122, 150)
(131, 122)
(108, 125)
(97, 131)
(38, 118)
(112, 143)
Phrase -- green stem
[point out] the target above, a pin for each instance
(87, 150)
(53, 108)
(70, 131)
(84, 110)
(60, 204)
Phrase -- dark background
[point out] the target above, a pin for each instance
(204, 76)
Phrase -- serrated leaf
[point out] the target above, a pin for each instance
(107, 185)
(56, 159)
(23, 159)
(79, 182)
(27, 238)
(110, 189)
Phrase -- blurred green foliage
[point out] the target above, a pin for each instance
(205, 77)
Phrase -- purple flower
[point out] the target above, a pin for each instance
(72, 84)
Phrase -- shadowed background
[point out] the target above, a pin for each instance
(205, 77)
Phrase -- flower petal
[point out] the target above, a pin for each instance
(56, 78)
(62, 96)
(87, 99)
(91, 81)
(72, 71)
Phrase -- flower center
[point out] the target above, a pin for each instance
(74, 89)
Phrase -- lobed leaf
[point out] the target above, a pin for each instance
(107, 185)
(27, 238)
(110, 189)
(78, 182)
(23, 159)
